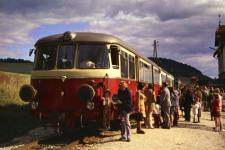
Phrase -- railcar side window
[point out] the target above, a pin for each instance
(150, 74)
(163, 78)
(114, 57)
(124, 65)
(66, 57)
(93, 56)
(156, 76)
(46, 57)
(168, 81)
(141, 69)
(146, 72)
(131, 67)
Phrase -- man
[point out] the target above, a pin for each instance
(198, 94)
(165, 104)
(209, 100)
(204, 98)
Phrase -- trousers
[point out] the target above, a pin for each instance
(125, 124)
(187, 113)
(149, 118)
(166, 114)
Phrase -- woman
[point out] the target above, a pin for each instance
(161, 118)
(188, 100)
(216, 111)
(223, 99)
(125, 107)
(151, 100)
(140, 105)
(183, 92)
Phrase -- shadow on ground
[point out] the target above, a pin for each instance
(15, 121)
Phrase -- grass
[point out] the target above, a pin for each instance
(14, 113)
(10, 84)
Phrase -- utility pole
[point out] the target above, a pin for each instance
(219, 19)
(155, 57)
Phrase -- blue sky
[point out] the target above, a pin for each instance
(46, 30)
(185, 29)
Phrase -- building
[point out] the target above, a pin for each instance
(220, 53)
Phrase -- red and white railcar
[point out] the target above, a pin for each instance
(72, 71)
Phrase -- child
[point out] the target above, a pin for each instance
(216, 111)
(199, 108)
(106, 102)
(156, 115)
(195, 111)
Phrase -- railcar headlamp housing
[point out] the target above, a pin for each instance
(67, 36)
(90, 105)
(34, 104)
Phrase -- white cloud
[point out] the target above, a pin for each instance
(5, 53)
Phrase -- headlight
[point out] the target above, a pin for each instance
(27, 93)
(85, 93)
(90, 105)
(34, 104)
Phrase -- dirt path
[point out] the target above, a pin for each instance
(186, 136)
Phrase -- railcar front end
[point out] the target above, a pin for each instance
(72, 71)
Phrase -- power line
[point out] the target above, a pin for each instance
(210, 69)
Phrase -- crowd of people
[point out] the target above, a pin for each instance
(165, 106)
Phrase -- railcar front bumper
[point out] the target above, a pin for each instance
(58, 117)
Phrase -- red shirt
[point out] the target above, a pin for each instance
(215, 105)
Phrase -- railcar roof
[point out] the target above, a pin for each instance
(89, 37)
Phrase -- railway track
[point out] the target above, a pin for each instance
(75, 139)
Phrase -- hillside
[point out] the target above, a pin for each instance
(16, 65)
(13, 60)
(182, 71)
(23, 68)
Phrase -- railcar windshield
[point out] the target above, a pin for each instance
(93, 56)
(66, 56)
(46, 57)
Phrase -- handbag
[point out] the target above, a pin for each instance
(200, 113)
(138, 116)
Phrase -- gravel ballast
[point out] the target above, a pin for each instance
(185, 136)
